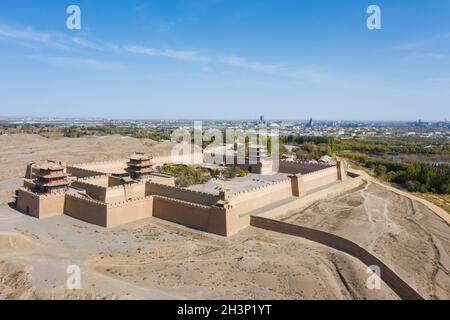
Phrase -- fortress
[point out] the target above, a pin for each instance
(114, 193)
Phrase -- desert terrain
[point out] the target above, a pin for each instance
(154, 259)
(407, 236)
(17, 150)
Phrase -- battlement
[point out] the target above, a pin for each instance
(186, 203)
(128, 202)
(264, 187)
(203, 198)
(83, 173)
(87, 200)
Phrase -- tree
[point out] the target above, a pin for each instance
(380, 170)
(412, 186)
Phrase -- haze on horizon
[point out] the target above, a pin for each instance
(219, 59)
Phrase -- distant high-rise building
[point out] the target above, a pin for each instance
(310, 123)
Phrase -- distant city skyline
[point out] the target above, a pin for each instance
(226, 60)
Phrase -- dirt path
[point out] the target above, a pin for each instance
(437, 210)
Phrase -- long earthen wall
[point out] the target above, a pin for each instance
(389, 277)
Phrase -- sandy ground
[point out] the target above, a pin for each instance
(405, 234)
(16, 151)
(154, 259)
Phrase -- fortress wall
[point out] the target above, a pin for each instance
(87, 210)
(51, 205)
(129, 211)
(319, 178)
(180, 194)
(295, 167)
(92, 190)
(387, 274)
(185, 213)
(101, 181)
(310, 198)
(253, 199)
(82, 173)
(115, 195)
(114, 181)
(111, 194)
(161, 179)
(28, 202)
(125, 192)
(40, 206)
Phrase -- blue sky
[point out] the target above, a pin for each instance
(213, 59)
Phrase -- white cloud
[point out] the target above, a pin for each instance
(309, 74)
(173, 54)
(24, 34)
(29, 36)
(77, 62)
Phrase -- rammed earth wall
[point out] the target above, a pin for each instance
(181, 194)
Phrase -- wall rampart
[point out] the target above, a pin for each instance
(202, 198)
(85, 209)
(338, 243)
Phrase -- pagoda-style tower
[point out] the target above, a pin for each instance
(51, 178)
(140, 166)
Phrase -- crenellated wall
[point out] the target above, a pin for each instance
(320, 178)
(180, 194)
(94, 191)
(87, 210)
(82, 173)
(204, 218)
(112, 194)
(40, 206)
(303, 167)
(252, 199)
(129, 211)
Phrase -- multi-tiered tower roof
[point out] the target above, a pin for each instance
(140, 166)
(51, 178)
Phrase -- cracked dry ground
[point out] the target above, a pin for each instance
(404, 234)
